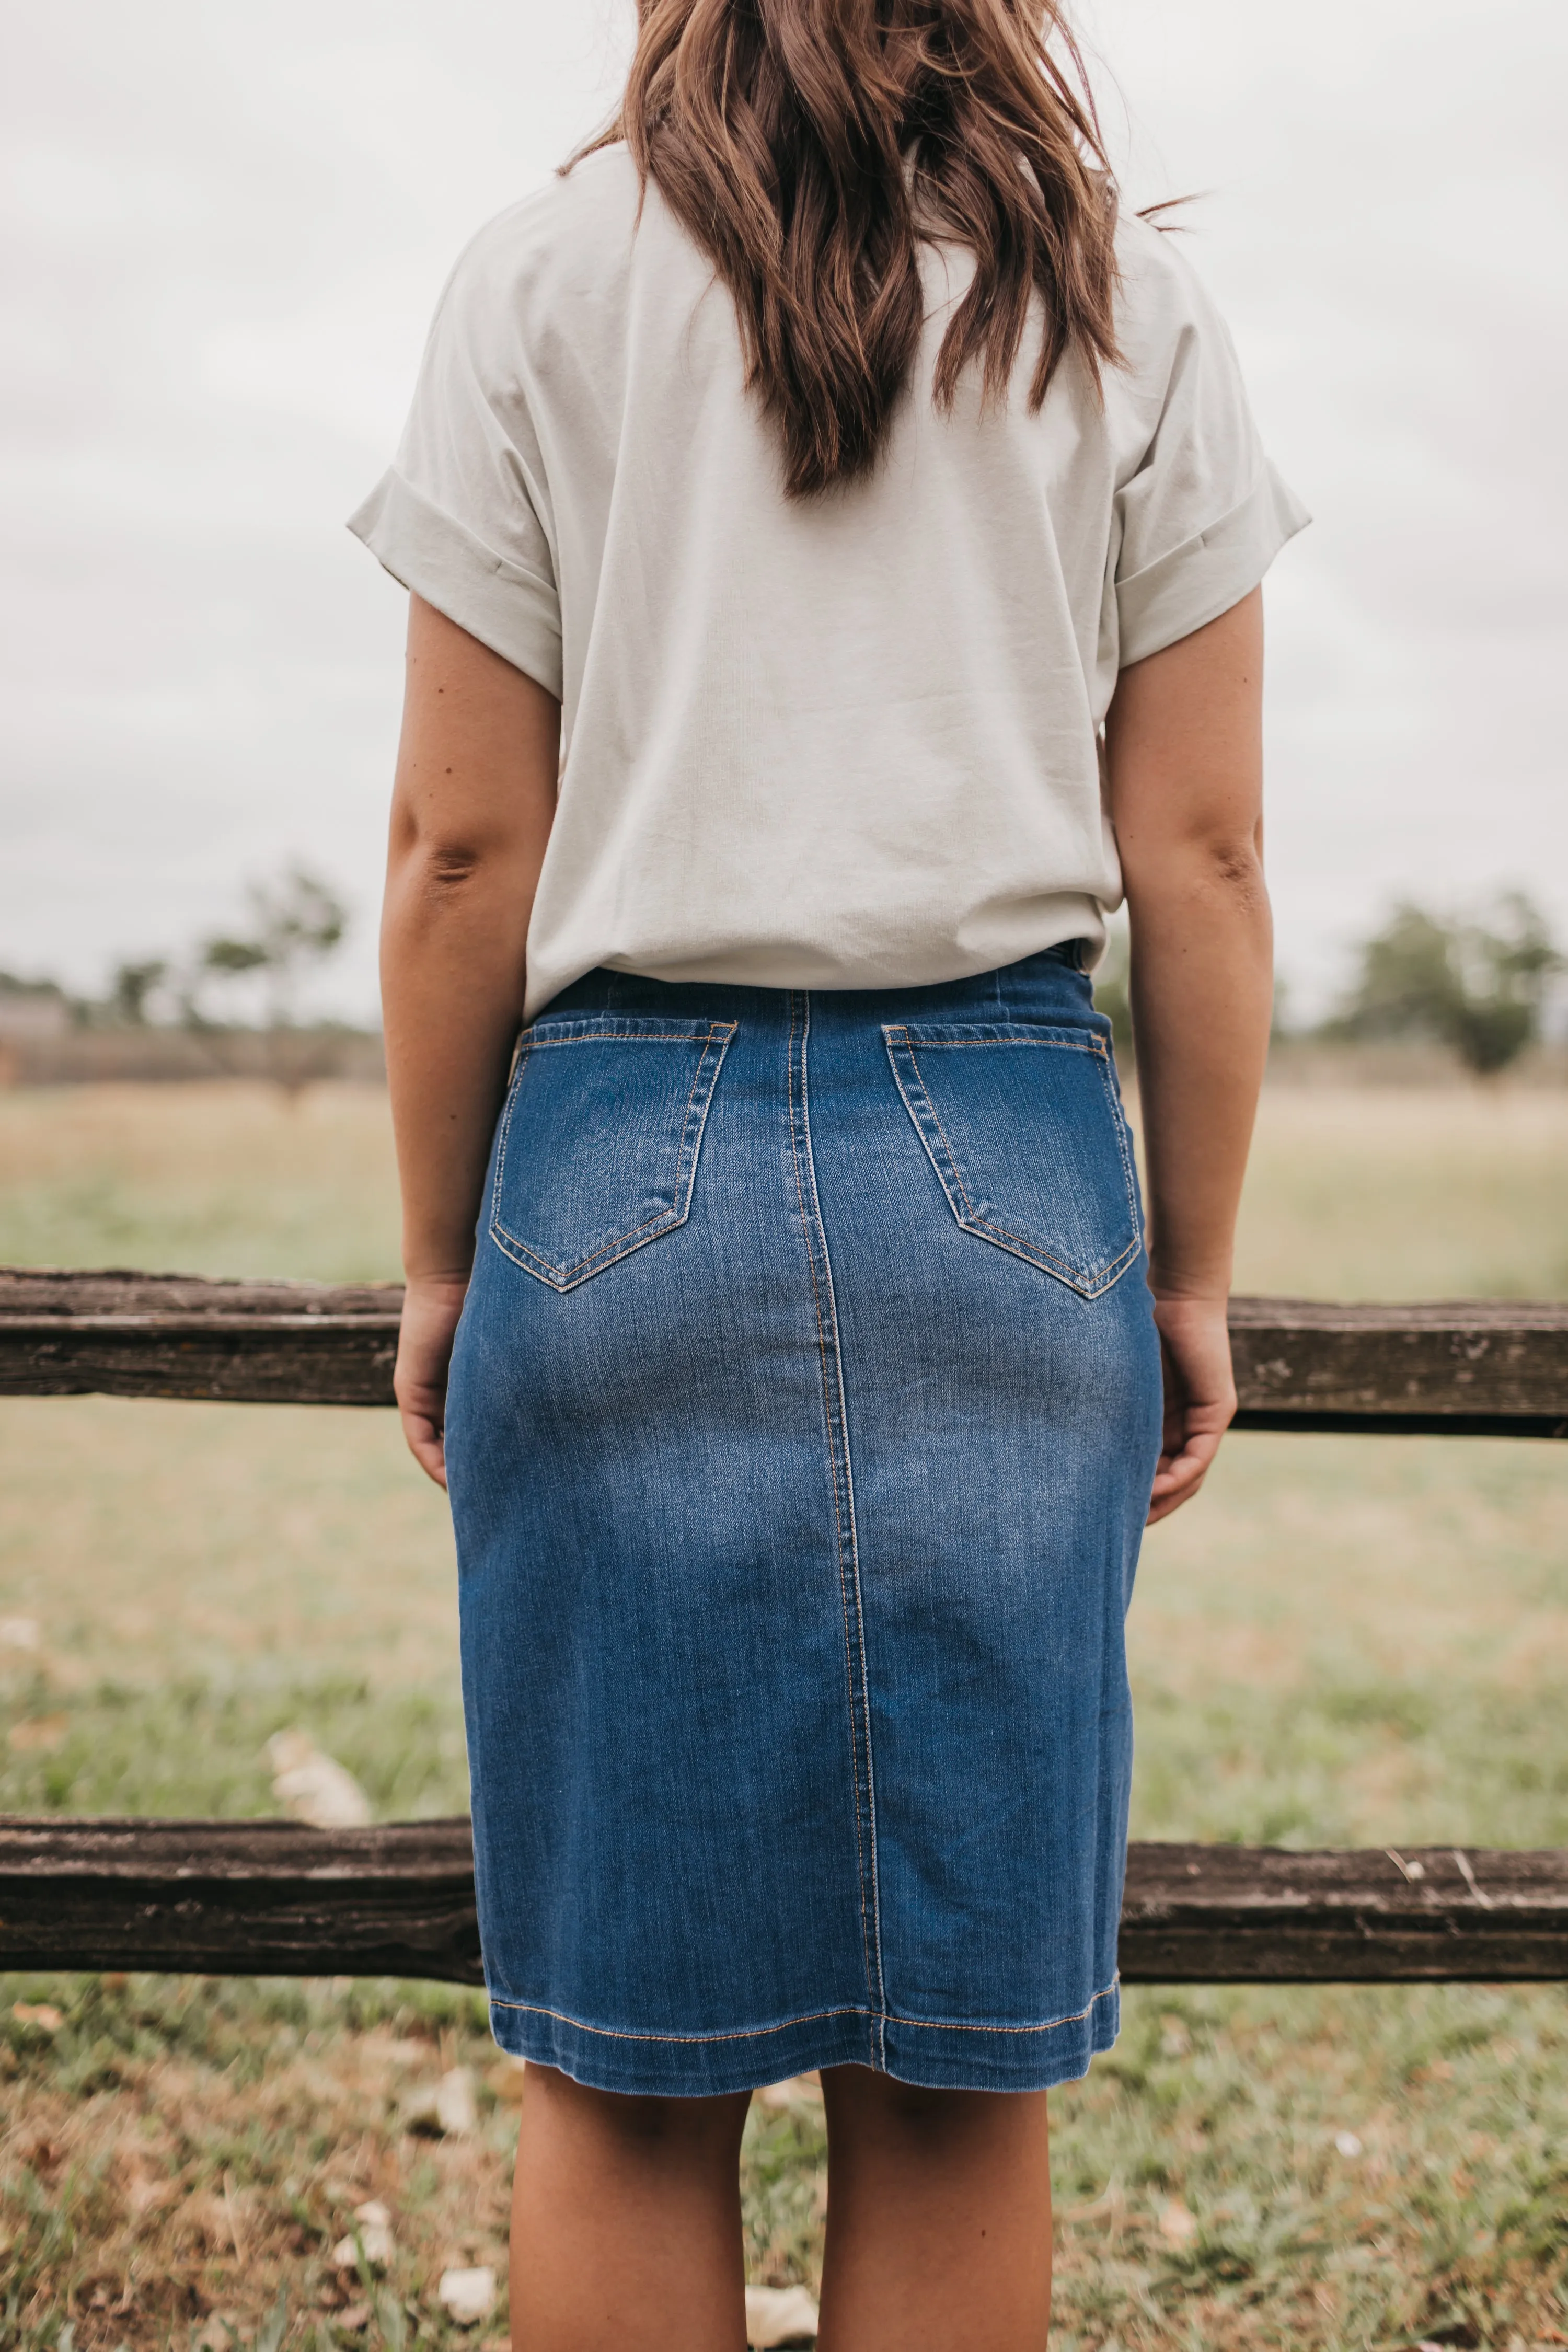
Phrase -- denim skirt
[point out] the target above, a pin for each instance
(802, 1422)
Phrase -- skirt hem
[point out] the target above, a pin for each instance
(945, 2056)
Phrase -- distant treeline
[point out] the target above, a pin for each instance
(1476, 985)
(247, 978)
(227, 1006)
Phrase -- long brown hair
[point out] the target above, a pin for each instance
(809, 145)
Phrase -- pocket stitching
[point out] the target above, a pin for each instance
(563, 1278)
(898, 1039)
(567, 1277)
(1017, 1243)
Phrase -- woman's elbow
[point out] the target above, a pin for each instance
(440, 881)
(451, 863)
(1221, 869)
(1237, 867)
(445, 861)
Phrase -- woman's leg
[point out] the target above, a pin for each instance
(626, 2221)
(939, 2218)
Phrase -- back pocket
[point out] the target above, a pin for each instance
(598, 1150)
(1023, 1127)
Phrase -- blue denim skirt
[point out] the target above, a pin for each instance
(802, 1422)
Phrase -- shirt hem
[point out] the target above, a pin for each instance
(1075, 915)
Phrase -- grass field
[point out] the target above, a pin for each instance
(1347, 1640)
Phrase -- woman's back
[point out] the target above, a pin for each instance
(843, 740)
(792, 491)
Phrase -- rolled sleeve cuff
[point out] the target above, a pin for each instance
(513, 611)
(1208, 573)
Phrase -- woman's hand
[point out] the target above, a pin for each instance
(1200, 1397)
(431, 1306)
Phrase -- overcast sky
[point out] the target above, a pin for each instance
(222, 231)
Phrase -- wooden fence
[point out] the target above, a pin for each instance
(272, 1898)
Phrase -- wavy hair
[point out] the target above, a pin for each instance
(809, 147)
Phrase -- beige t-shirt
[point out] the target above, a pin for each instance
(846, 742)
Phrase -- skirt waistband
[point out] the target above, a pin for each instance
(1051, 986)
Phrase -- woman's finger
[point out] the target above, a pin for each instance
(1180, 1475)
(424, 1441)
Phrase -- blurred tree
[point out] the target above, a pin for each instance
(298, 922)
(133, 989)
(1478, 986)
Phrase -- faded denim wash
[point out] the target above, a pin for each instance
(802, 1422)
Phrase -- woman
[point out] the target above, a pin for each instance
(835, 537)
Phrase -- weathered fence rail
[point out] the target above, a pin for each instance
(273, 1898)
(153, 1335)
(270, 1898)
(1472, 1368)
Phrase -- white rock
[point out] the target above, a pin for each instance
(779, 2314)
(314, 1788)
(447, 2108)
(287, 1751)
(1177, 2226)
(1348, 2143)
(457, 2111)
(374, 2236)
(469, 2296)
(20, 1634)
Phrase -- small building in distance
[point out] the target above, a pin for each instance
(32, 1008)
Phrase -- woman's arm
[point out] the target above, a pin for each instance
(1185, 765)
(471, 811)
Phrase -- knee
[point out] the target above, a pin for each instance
(923, 2114)
(655, 2123)
(874, 2110)
(878, 2101)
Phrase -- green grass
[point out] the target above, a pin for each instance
(1347, 1641)
(192, 2148)
(1364, 1762)
(1347, 2170)
(228, 1178)
(1394, 1193)
(1246, 2168)
(197, 1747)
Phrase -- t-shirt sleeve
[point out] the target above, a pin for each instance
(1204, 513)
(462, 517)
